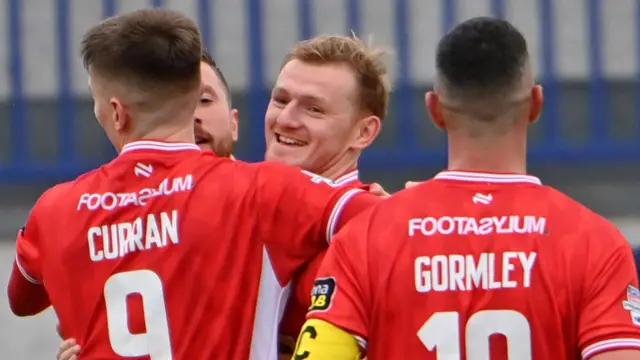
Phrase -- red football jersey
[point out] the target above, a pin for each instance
(168, 252)
(300, 300)
(481, 266)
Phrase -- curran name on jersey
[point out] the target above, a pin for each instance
(107, 242)
(112, 241)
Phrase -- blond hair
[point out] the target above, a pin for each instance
(364, 60)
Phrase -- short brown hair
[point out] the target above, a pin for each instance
(364, 60)
(146, 48)
(208, 59)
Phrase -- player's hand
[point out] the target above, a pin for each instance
(377, 189)
(410, 184)
(68, 350)
(286, 347)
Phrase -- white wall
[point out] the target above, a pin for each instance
(231, 48)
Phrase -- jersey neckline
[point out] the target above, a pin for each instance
(149, 145)
(347, 178)
(487, 177)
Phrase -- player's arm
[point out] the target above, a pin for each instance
(26, 292)
(337, 322)
(299, 211)
(609, 320)
(320, 340)
(618, 355)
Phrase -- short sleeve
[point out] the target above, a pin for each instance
(342, 292)
(299, 212)
(610, 313)
(28, 252)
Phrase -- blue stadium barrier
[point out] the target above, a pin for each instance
(407, 152)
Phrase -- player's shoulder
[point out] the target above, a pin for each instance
(267, 170)
(578, 219)
(53, 196)
(571, 210)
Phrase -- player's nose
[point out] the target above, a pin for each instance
(287, 117)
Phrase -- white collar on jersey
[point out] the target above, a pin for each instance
(487, 178)
(158, 146)
(347, 178)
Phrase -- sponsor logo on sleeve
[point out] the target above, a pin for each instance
(632, 304)
(322, 294)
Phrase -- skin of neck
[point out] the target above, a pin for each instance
(339, 166)
(172, 133)
(498, 153)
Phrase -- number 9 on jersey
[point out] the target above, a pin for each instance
(156, 342)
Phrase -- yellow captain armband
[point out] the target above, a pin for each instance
(320, 340)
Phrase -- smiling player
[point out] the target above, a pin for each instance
(483, 261)
(158, 239)
(326, 107)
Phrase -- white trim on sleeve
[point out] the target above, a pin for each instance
(337, 210)
(609, 345)
(26, 275)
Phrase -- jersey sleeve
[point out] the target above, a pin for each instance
(28, 254)
(299, 213)
(342, 292)
(26, 292)
(610, 314)
(306, 280)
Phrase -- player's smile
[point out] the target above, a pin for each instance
(204, 139)
(289, 141)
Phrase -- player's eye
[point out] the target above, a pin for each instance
(315, 110)
(280, 100)
(205, 100)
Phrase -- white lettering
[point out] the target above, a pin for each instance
(457, 272)
(460, 225)
(110, 201)
(108, 242)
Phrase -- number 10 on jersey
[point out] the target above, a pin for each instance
(442, 334)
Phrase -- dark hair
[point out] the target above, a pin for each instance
(207, 59)
(147, 48)
(481, 56)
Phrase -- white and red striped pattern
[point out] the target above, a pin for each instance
(26, 275)
(487, 178)
(347, 178)
(337, 210)
(610, 345)
(158, 146)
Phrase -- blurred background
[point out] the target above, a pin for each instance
(586, 53)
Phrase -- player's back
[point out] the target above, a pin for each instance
(475, 266)
(157, 256)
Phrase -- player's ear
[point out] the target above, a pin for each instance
(235, 119)
(537, 99)
(119, 114)
(435, 109)
(367, 130)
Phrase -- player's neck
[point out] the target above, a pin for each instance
(507, 154)
(340, 167)
(170, 135)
